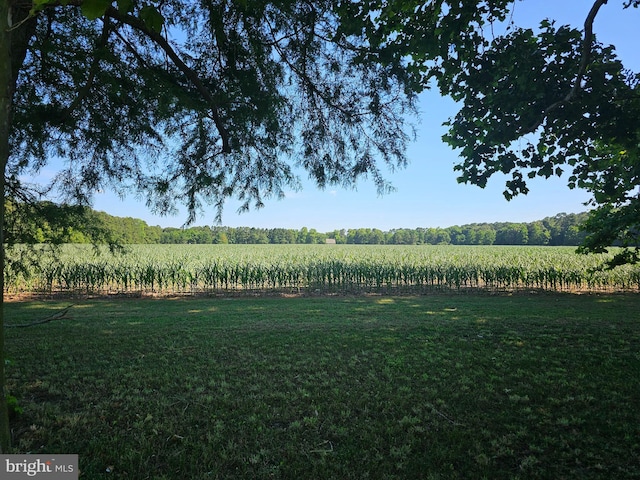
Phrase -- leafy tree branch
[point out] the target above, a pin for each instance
(188, 72)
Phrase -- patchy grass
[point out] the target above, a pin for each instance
(443, 386)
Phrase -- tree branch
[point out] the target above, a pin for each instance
(20, 35)
(56, 316)
(584, 61)
(586, 47)
(93, 70)
(191, 75)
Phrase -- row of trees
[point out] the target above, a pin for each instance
(83, 225)
(562, 229)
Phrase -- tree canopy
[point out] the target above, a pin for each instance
(533, 103)
(201, 101)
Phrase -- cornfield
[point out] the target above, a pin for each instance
(191, 269)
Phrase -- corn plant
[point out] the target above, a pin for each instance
(180, 269)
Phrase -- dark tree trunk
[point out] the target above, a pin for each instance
(6, 82)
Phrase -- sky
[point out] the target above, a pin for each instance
(426, 191)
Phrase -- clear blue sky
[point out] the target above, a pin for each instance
(427, 193)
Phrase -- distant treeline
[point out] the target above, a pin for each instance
(562, 229)
(47, 222)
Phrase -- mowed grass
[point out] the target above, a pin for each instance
(431, 387)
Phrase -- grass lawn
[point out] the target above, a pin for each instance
(431, 387)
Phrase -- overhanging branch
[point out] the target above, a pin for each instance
(586, 47)
(585, 56)
(93, 70)
(191, 75)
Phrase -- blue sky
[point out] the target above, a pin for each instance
(427, 194)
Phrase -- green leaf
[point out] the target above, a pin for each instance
(38, 5)
(125, 6)
(93, 9)
(152, 18)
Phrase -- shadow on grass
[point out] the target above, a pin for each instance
(442, 386)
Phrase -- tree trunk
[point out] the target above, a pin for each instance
(6, 81)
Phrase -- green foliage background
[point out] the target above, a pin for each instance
(46, 222)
